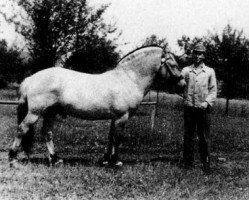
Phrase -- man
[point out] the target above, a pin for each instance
(199, 95)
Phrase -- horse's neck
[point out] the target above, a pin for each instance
(143, 76)
(145, 82)
(141, 66)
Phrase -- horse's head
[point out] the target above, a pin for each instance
(169, 70)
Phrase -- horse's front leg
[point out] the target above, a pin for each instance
(47, 133)
(52, 157)
(117, 127)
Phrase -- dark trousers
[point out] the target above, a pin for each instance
(196, 119)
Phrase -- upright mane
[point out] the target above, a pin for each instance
(139, 48)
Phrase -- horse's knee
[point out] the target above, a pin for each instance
(22, 130)
(24, 127)
(122, 120)
(30, 119)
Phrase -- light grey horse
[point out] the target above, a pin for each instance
(113, 95)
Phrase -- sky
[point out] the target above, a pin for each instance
(170, 19)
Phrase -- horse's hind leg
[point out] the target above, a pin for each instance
(47, 133)
(22, 139)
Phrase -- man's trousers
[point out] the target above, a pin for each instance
(196, 119)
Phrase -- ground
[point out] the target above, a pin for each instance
(151, 160)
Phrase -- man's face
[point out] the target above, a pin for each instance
(198, 57)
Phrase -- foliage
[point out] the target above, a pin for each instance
(155, 40)
(187, 44)
(96, 55)
(229, 54)
(58, 27)
(11, 64)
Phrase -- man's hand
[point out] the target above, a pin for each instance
(204, 105)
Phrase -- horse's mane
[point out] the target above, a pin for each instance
(143, 47)
(176, 57)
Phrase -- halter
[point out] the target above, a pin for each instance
(164, 59)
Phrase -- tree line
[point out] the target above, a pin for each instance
(54, 28)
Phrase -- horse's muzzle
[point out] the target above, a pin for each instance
(181, 83)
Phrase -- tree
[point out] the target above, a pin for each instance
(61, 26)
(187, 44)
(232, 50)
(155, 40)
(11, 64)
(97, 56)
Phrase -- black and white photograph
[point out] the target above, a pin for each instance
(124, 99)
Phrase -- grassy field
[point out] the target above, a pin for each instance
(151, 160)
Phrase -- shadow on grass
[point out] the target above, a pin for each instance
(75, 161)
(66, 161)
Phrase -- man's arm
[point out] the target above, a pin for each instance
(212, 88)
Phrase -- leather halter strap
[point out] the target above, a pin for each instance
(166, 56)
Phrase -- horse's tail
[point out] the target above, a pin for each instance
(22, 111)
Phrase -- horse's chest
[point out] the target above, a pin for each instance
(127, 99)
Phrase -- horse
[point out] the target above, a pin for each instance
(113, 95)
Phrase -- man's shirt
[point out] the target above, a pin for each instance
(201, 85)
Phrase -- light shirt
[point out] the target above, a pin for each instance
(201, 85)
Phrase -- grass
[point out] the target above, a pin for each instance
(151, 160)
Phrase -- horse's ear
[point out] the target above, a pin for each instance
(172, 63)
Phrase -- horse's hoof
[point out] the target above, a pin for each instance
(118, 164)
(103, 163)
(58, 163)
(11, 165)
(15, 164)
(54, 160)
(55, 164)
(106, 163)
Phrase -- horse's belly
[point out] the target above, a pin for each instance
(101, 103)
(91, 114)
